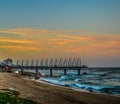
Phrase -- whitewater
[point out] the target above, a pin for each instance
(96, 80)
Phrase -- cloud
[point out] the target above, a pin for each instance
(11, 31)
(22, 48)
(6, 40)
(71, 42)
(25, 31)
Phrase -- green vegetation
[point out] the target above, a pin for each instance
(11, 97)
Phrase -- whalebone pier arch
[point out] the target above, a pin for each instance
(50, 64)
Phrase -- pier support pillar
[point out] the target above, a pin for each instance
(51, 74)
(65, 72)
(36, 70)
(21, 70)
(78, 71)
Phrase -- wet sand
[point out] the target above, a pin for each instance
(44, 93)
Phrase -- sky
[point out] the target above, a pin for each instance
(35, 29)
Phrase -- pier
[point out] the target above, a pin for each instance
(49, 64)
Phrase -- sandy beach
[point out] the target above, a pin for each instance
(44, 93)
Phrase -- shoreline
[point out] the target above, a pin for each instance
(62, 86)
(75, 89)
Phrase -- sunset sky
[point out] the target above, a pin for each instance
(35, 29)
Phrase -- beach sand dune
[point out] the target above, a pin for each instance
(43, 93)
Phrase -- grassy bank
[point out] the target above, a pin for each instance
(11, 97)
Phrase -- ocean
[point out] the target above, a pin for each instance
(93, 80)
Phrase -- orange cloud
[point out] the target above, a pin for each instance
(23, 48)
(15, 41)
(70, 42)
